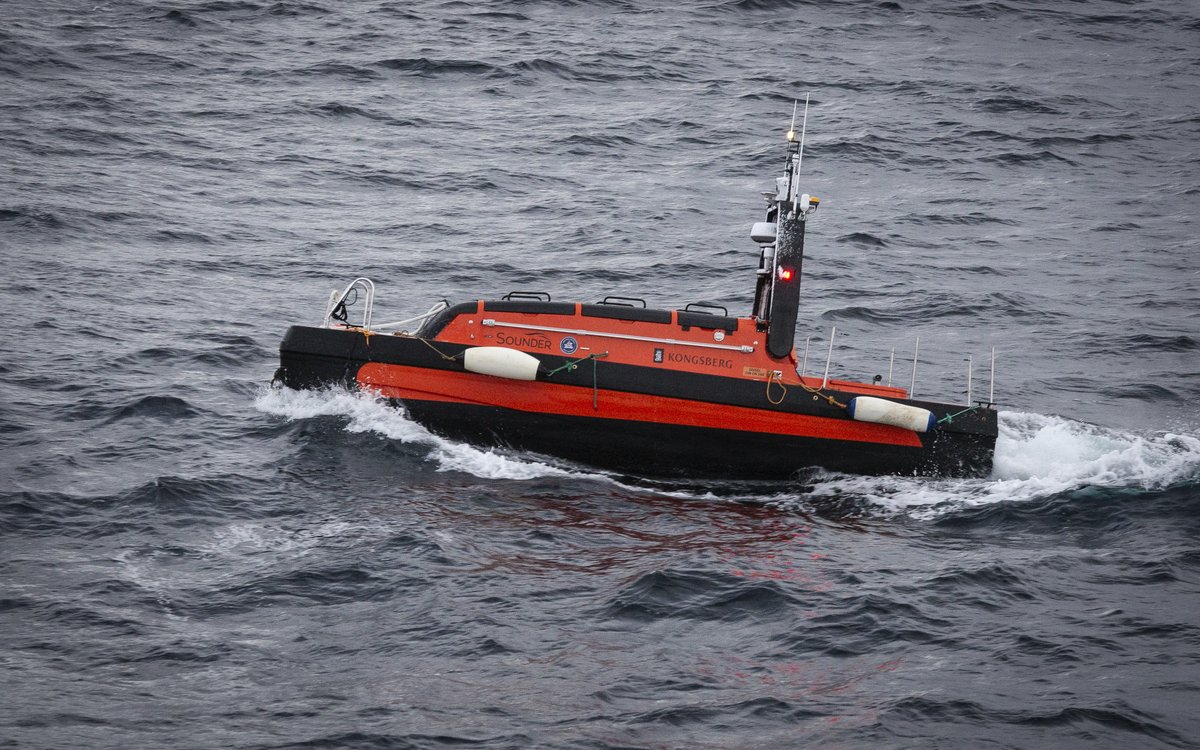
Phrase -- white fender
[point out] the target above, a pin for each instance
(882, 411)
(500, 362)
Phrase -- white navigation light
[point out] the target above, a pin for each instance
(803, 204)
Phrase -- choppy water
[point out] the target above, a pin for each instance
(191, 559)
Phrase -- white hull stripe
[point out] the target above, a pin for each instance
(579, 332)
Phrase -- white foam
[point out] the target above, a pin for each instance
(251, 538)
(1063, 452)
(367, 412)
(1036, 456)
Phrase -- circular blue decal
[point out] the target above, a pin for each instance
(568, 345)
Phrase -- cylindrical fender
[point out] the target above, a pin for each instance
(882, 411)
(501, 362)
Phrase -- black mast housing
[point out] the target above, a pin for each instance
(785, 282)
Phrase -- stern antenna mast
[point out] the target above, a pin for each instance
(798, 157)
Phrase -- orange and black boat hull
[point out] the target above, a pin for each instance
(635, 419)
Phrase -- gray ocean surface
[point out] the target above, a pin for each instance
(190, 558)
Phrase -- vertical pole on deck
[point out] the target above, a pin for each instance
(912, 386)
(968, 380)
(829, 357)
(992, 387)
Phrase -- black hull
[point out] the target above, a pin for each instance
(673, 451)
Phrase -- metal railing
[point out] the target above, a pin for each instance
(337, 310)
(991, 400)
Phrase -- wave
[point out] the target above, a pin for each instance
(423, 66)
(30, 216)
(181, 18)
(367, 413)
(135, 510)
(1066, 454)
(335, 109)
(698, 595)
(767, 5)
(975, 218)
(291, 9)
(996, 305)
(355, 73)
(1017, 104)
(1149, 342)
(319, 585)
(19, 57)
(1084, 722)
(1020, 158)
(1038, 458)
(224, 351)
(1044, 465)
(154, 407)
(862, 239)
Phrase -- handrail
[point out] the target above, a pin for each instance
(802, 368)
(710, 305)
(332, 310)
(613, 299)
(540, 296)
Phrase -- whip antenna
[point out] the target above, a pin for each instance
(798, 157)
(796, 150)
(796, 153)
(803, 130)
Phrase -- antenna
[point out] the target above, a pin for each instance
(803, 130)
(797, 155)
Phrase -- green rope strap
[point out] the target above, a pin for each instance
(950, 417)
(574, 364)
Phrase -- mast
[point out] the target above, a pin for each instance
(777, 294)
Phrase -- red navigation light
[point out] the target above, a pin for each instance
(786, 274)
